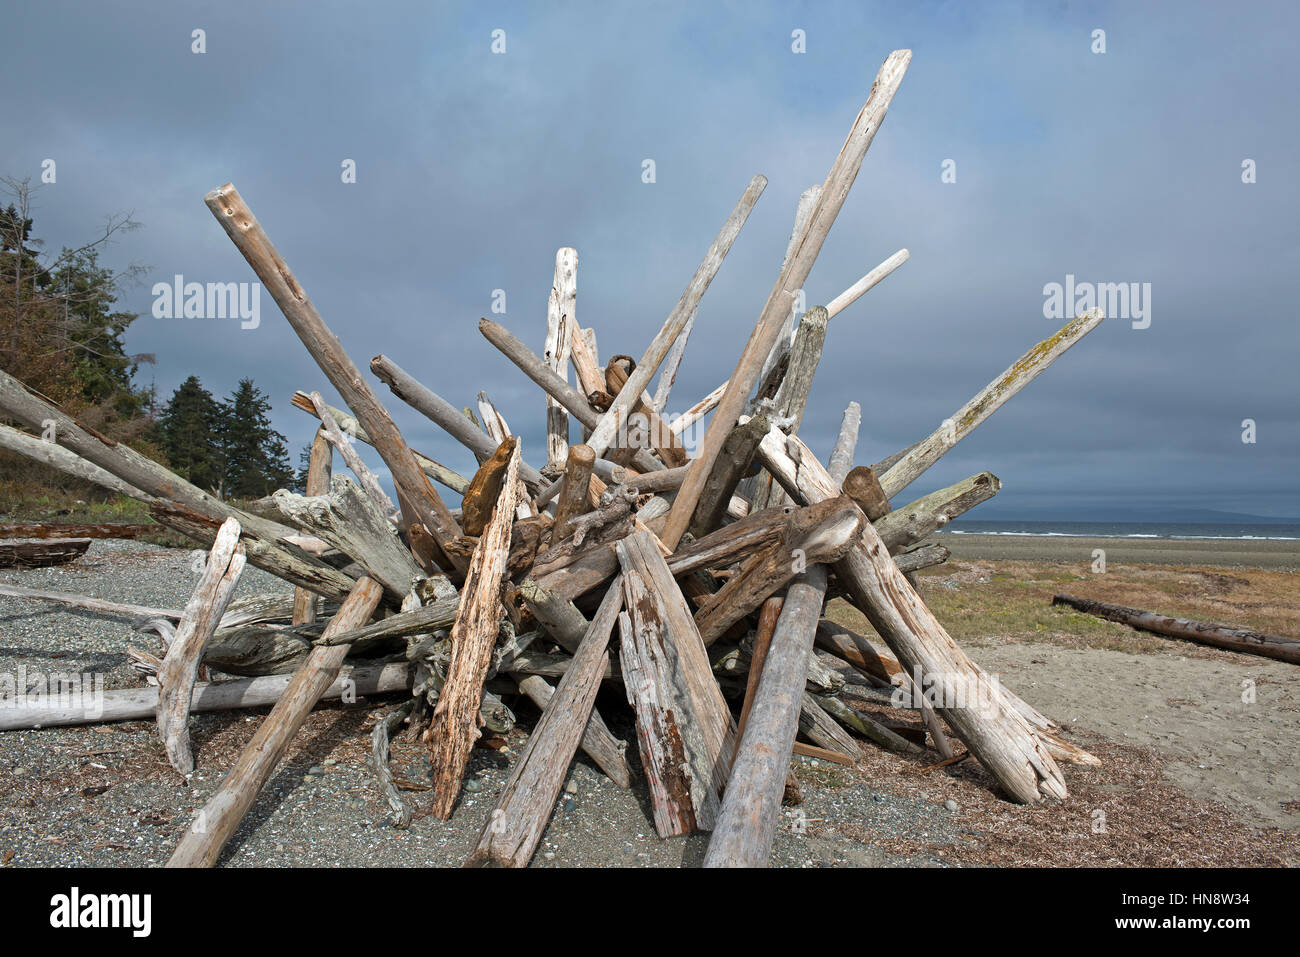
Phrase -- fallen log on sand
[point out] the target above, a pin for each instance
(1202, 632)
(42, 553)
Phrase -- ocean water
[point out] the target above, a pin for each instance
(1245, 532)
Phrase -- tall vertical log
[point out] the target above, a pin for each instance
(792, 396)
(737, 454)
(572, 499)
(319, 465)
(251, 240)
(790, 281)
(561, 324)
(217, 822)
(180, 668)
(454, 727)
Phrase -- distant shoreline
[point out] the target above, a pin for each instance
(1279, 555)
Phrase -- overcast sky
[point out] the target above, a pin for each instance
(473, 167)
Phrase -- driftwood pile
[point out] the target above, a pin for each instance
(696, 581)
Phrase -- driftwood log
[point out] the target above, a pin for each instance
(1202, 632)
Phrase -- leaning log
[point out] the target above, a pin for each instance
(218, 820)
(412, 484)
(989, 399)
(454, 728)
(791, 279)
(996, 733)
(1202, 632)
(180, 668)
(515, 825)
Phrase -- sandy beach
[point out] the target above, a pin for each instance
(1212, 553)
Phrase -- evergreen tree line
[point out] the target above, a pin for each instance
(61, 333)
(226, 446)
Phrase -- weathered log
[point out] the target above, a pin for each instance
(515, 825)
(857, 651)
(732, 464)
(976, 709)
(532, 366)
(41, 552)
(572, 499)
(253, 243)
(866, 726)
(291, 564)
(140, 704)
(792, 397)
(349, 424)
(692, 673)
(485, 489)
(866, 283)
(352, 522)
(494, 423)
(561, 324)
(791, 279)
(180, 668)
(777, 357)
(320, 464)
(824, 533)
(219, 818)
(698, 411)
(74, 530)
(752, 802)
(767, 619)
(914, 521)
(559, 616)
(1202, 632)
(604, 434)
(1021, 372)
(819, 727)
(66, 461)
(88, 603)
(673, 753)
(607, 751)
(863, 487)
(383, 730)
(454, 727)
(643, 426)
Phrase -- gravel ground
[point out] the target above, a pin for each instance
(104, 795)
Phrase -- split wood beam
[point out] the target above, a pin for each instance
(454, 726)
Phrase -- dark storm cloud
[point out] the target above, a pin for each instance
(474, 168)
